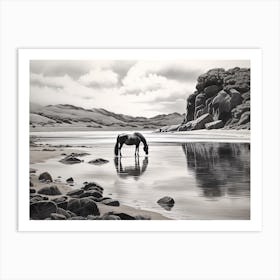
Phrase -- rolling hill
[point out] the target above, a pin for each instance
(72, 117)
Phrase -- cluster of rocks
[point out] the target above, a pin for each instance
(48, 203)
(221, 99)
(73, 159)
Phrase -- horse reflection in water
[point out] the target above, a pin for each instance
(221, 169)
(134, 171)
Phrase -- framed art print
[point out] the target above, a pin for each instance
(139, 139)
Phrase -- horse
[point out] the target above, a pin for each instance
(131, 139)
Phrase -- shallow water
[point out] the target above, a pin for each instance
(208, 180)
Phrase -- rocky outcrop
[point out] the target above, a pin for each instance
(222, 94)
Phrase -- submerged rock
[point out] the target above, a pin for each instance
(98, 161)
(69, 180)
(70, 160)
(166, 202)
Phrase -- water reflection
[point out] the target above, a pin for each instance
(220, 169)
(130, 169)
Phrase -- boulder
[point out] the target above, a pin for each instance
(186, 127)
(200, 122)
(200, 99)
(60, 199)
(87, 186)
(91, 193)
(63, 212)
(142, 217)
(190, 107)
(214, 125)
(110, 202)
(45, 177)
(42, 209)
(98, 161)
(83, 207)
(166, 200)
(56, 216)
(70, 180)
(70, 160)
(32, 190)
(75, 192)
(50, 190)
(211, 91)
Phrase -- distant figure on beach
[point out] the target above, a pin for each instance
(131, 139)
(127, 171)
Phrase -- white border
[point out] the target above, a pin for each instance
(254, 224)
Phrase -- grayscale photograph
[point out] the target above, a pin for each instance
(139, 139)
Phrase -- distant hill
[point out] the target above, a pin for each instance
(69, 116)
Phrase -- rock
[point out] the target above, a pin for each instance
(190, 107)
(42, 209)
(201, 121)
(32, 170)
(214, 125)
(75, 192)
(70, 180)
(211, 91)
(92, 184)
(83, 207)
(98, 161)
(219, 93)
(111, 202)
(32, 190)
(36, 199)
(107, 216)
(52, 190)
(245, 118)
(61, 202)
(78, 218)
(186, 127)
(123, 216)
(246, 96)
(91, 193)
(235, 99)
(63, 212)
(56, 216)
(70, 160)
(142, 217)
(45, 177)
(60, 199)
(166, 202)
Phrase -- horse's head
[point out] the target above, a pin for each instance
(146, 149)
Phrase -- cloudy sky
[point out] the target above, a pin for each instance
(137, 88)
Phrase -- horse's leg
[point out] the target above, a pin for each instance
(121, 144)
(137, 150)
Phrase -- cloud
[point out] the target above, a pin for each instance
(40, 81)
(99, 78)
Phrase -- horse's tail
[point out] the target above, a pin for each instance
(142, 138)
(117, 147)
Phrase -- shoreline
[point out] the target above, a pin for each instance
(37, 155)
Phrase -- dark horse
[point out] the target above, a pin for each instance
(131, 139)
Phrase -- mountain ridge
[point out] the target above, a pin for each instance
(67, 115)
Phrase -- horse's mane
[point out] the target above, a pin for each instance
(142, 138)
